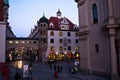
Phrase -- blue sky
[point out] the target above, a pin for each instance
(23, 14)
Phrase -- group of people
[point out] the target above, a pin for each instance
(18, 76)
(57, 69)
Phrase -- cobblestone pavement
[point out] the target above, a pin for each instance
(42, 71)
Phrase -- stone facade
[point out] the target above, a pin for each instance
(99, 29)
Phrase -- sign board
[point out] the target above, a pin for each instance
(25, 70)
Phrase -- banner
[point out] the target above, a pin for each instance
(1, 9)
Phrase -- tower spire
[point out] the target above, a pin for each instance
(59, 13)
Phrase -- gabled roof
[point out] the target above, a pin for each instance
(56, 22)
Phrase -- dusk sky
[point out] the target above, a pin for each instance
(23, 14)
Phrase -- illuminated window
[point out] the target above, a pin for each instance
(23, 42)
(52, 48)
(61, 41)
(76, 48)
(10, 42)
(60, 33)
(60, 48)
(16, 42)
(76, 34)
(52, 33)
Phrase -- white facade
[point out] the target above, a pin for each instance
(65, 38)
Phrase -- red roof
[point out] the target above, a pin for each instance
(56, 21)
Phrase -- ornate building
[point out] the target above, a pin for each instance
(58, 38)
(99, 22)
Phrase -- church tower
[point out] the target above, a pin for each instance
(4, 5)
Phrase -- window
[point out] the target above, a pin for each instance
(45, 40)
(61, 41)
(52, 33)
(35, 42)
(60, 33)
(10, 42)
(76, 41)
(76, 48)
(69, 47)
(16, 42)
(69, 34)
(95, 13)
(76, 34)
(69, 40)
(96, 47)
(52, 41)
(52, 48)
(60, 48)
(23, 42)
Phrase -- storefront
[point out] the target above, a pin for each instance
(61, 56)
(77, 55)
(52, 56)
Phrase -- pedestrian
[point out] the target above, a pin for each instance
(58, 68)
(16, 76)
(50, 66)
(55, 67)
(19, 76)
(56, 74)
(69, 70)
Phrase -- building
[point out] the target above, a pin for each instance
(99, 22)
(58, 38)
(3, 25)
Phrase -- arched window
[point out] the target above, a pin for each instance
(60, 33)
(69, 34)
(51, 40)
(95, 13)
(52, 48)
(52, 33)
(60, 48)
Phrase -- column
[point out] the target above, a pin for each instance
(113, 53)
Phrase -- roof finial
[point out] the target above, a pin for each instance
(59, 13)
